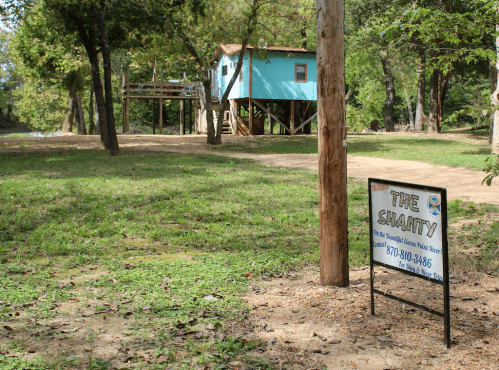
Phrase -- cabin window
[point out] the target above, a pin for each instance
(224, 70)
(300, 72)
(241, 79)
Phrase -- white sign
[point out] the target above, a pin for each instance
(407, 229)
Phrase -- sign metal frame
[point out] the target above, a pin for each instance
(445, 256)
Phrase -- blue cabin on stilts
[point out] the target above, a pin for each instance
(275, 82)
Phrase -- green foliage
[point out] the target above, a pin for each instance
(492, 169)
(461, 29)
(9, 77)
(473, 244)
(469, 101)
(9, 363)
(41, 106)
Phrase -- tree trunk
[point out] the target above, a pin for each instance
(443, 94)
(100, 14)
(81, 125)
(390, 95)
(68, 120)
(91, 123)
(252, 21)
(91, 49)
(210, 127)
(97, 119)
(433, 127)
(333, 212)
(418, 125)
(286, 109)
(9, 109)
(409, 110)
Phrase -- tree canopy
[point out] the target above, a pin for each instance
(401, 56)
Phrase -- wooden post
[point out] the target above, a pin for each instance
(154, 116)
(190, 116)
(126, 112)
(161, 116)
(251, 92)
(182, 127)
(184, 103)
(292, 119)
(494, 99)
(125, 102)
(196, 116)
(333, 213)
(271, 120)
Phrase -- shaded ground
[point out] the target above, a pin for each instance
(460, 183)
(306, 326)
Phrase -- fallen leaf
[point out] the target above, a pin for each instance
(161, 359)
(321, 337)
(220, 336)
(209, 297)
(268, 328)
(321, 351)
(382, 338)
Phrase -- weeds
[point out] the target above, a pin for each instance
(159, 248)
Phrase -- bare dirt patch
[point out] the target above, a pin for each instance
(309, 326)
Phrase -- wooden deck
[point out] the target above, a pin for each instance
(163, 90)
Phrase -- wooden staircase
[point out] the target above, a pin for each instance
(226, 126)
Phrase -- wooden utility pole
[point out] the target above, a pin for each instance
(495, 102)
(333, 212)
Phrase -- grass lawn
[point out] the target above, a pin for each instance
(451, 150)
(165, 244)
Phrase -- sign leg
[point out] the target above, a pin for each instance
(371, 274)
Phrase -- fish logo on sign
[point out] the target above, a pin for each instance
(434, 205)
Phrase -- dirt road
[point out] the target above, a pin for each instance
(460, 183)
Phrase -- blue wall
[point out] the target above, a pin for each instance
(272, 79)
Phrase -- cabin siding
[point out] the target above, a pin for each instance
(276, 80)
(240, 89)
(273, 78)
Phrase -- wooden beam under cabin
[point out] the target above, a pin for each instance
(182, 127)
(273, 116)
(161, 116)
(307, 121)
